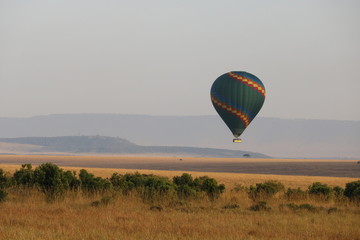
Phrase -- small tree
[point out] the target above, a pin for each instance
(320, 190)
(72, 181)
(209, 186)
(155, 186)
(185, 186)
(24, 176)
(92, 184)
(51, 180)
(352, 191)
(265, 190)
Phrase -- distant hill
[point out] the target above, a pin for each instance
(295, 138)
(111, 145)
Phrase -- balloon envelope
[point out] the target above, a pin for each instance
(237, 97)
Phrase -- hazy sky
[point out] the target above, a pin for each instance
(161, 57)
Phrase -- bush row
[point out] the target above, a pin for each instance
(268, 189)
(54, 181)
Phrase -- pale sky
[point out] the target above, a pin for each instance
(161, 57)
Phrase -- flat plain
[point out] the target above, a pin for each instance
(30, 216)
(299, 167)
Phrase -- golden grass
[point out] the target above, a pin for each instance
(127, 217)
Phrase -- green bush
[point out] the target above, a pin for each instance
(209, 186)
(24, 176)
(185, 186)
(51, 180)
(150, 187)
(157, 187)
(4, 179)
(91, 184)
(72, 181)
(265, 190)
(352, 191)
(320, 190)
(118, 181)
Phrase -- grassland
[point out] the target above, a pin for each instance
(130, 218)
(27, 215)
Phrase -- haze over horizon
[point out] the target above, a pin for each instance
(161, 57)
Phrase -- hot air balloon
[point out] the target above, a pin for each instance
(237, 97)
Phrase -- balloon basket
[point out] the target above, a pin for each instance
(237, 140)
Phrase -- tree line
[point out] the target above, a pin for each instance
(54, 182)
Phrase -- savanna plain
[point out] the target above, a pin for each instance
(244, 209)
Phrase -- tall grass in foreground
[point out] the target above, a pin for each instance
(136, 206)
(121, 216)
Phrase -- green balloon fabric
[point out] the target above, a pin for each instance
(237, 97)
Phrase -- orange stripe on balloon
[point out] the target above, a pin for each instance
(244, 118)
(249, 82)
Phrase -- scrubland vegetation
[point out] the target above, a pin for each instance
(48, 202)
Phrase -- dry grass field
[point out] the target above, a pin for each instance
(129, 218)
(29, 216)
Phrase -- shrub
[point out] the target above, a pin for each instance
(184, 179)
(338, 193)
(72, 181)
(209, 186)
(117, 181)
(295, 194)
(185, 186)
(155, 186)
(265, 190)
(4, 179)
(51, 180)
(260, 206)
(91, 184)
(320, 190)
(148, 186)
(352, 191)
(3, 195)
(24, 176)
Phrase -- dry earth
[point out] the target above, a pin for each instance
(299, 167)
